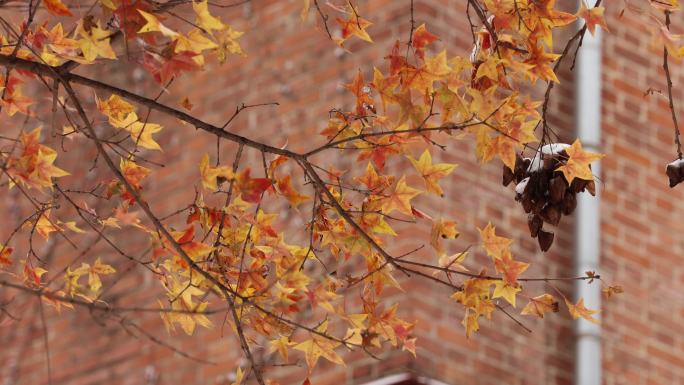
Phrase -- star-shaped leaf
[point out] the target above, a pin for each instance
(400, 198)
(541, 305)
(432, 173)
(577, 165)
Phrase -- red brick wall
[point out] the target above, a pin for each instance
(295, 65)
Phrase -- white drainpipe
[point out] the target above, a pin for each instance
(588, 221)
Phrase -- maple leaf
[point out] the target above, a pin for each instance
(168, 66)
(400, 198)
(251, 188)
(227, 43)
(494, 245)
(181, 296)
(540, 62)
(319, 346)
(609, 291)
(442, 229)
(204, 18)
(130, 20)
(154, 25)
(592, 17)
(5, 253)
(282, 346)
(375, 183)
(14, 101)
(133, 173)
(194, 41)
(115, 108)
(432, 173)
(453, 262)
(452, 104)
(385, 87)
(44, 226)
(33, 275)
(141, 132)
(284, 186)
(422, 78)
(212, 176)
(94, 281)
(541, 305)
(506, 291)
(353, 26)
(579, 310)
(509, 268)
(470, 322)
(364, 102)
(35, 167)
(57, 8)
(577, 165)
(94, 41)
(422, 38)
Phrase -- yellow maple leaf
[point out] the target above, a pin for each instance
(579, 310)
(204, 18)
(442, 229)
(577, 165)
(432, 173)
(494, 245)
(400, 198)
(194, 41)
(318, 346)
(282, 346)
(506, 291)
(154, 25)
(44, 226)
(115, 108)
(94, 42)
(141, 132)
(211, 175)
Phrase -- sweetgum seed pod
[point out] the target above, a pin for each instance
(551, 214)
(535, 223)
(545, 239)
(569, 202)
(527, 203)
(508, 176)
(557, 188)
(591, 187)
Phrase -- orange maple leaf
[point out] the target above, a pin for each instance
(375, 183)
(541, 305)
(57, 8)
(353, 26)
(400, 199)
(510, 268)
(5, 253)
(577, 165)
(284, 186)
(592, 17)
(364, 102)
